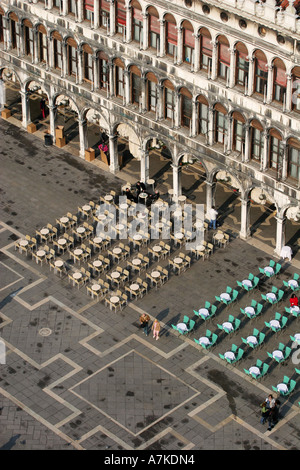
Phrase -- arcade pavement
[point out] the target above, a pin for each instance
(95, 382)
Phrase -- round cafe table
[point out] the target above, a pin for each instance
(156, 248)
(198, 224)
(294, 309)
(247, 282)
(124, 206)
(115, 299)
(97, 263)
(200, 247)
(23, 242)
(44, 231)
(277, 354)
(134, 287)
(117, 251)
(86, 207)
(96, 287)
(41, 253)
(108, 197)
(78, 251)
(254, 370)
(204, 312)
(181, 198)
(115, 275)
(101, 216)
(282, 388)
(61, 241)
(275, 323)
(97, 240)
(143, 196)
(155, 274)
(136, 261)
(219, 236)
(225, 296)
(252, 339)
(179, 235)
(137, 237)
(178, 260)
(77, 275)
(293, 283)
(80, 230)
(229, 355)
(250, 310)
(178, 213)
(271, 296)
(120, 226)
(227, 325)
(269, 269)
(297, 338)
(59, 263)
(182, 327)
(64, 220)
(204, 340)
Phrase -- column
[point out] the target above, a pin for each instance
(128, 30)
(159, 101)
(264, 163)
(197, 53)
(113, 154)
(210, 137)
(250, 76)
(194, 117)
(96, 14)
(288, 97)
(82, 127)
(112, 21)
(52, 113)
(232, 68)
(178, 60)
(210, 194)
(177, 110)
(127, 86)
(176, 181)
(245, 219)
(26, 119)
(284, 161)
(144, 94)
(79, 65)
(111, 78)
(162, 39)
(96, 72)
(145, 31)
(64, 7)
(270, 84)
(228, 144)
(247, 143)
(64, 60)
(214, 60)
(144, 165)
(280, 234)
(80, 10)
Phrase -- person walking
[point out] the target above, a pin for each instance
(156, 329)
(273, 415)
(213, 218)
(264, 412)
(144, 320)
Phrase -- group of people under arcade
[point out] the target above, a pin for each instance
(140, 187)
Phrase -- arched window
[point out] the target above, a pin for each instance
(119, 78)
(87, 59)
(256, 140)
(13, 20)
(1, 25)
(238, 132)
(260, 73)
(202, 114)
(205, 50)
(188, 42)
(296, 89)
(103, 71)
(220, 123)
(28, 38)
(279, 81)
(275, 150)
(57, 50)
(72, 7)
(88, 9)
(171, 35)
(294, 159)
(151, 89)
(137, 22)
(242, 64)
(135, 85)
(104, 13)
(120, 17)
(186, 107)
(154, 28)
(42, 44)
(223, 58)
(72, 56)
(169, 100)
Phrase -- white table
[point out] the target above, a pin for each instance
(250, 310)
(59, 263)
(297, 338)
(229, 355)
(247, 282)
(97, 240)
(44, 231)
(77, 275)
(252, 339)
(293, 283)
(181, 198)
(275, 323)
(282, 388)
(124, 206)
(269, 269)
(23, 242)
(137, 237)
(178, 213)
(219, 236)
(86, 207)
(101, 216)
(151, 182)
(117, 251)
(80, 230)
(156, 248)
(108, 197)
(294, 309)
(225, 296)
(96, 287)
(204, 312)
(271, 296)
(115, 275)
(198, 224)
(286, 252)
(64, 220)
(227, 325)
(204, 340)
(155, 274)
(143, 196)
(178, 260)
(120, 226)
(78, 252)
(115, 299)
(200, 247)
(97, 263)
(179, 235)
(254, 370)
(61, 241)
(41, 253)
(277, 354)
(136, 261)
(182, 327)
(134, 287)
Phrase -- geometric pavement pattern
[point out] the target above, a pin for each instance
(92, 379)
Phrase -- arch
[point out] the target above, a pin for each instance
(202, 99)
(256, 124)
(184, 91)
(58, 97)
(220, 108)
(237, 115)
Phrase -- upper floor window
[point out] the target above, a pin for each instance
(279, 81)
(242, 65)
(135, 85)
(42, 44)
(103, 71)
(13, 20)
(73, 7)
(169, 100)
(87, 63)
(205, 50)
(296, 89)
(137, 23)
(202, 115)
(256, 140)
(171, 36)
(119, 78)
(275, 150)
(223, 58)
(57, 50)
(220, 124)
(120, 17)
(186, 107)
(260, 73)
(151, 90)
(88, 10)
(154, 28)
(294, 159)
(28, 38)
(188, 43)
(1, 25)
(238, 134)
(104, 13)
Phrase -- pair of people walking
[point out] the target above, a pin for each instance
(270, 411)
(144, 321)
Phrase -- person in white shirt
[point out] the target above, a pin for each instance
(213, 218)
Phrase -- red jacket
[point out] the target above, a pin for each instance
(293, 301)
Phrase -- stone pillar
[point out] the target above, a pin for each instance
(178, 60)
(176, 181)
(284, 163)
(128, 30)
(26, 118)
(264, 163)
(80, 11)
(126, 86)
(144, 165)
(194, 117)
(232, 68)
(250, 76)
(162, 39)
(210, 139)
(280, 234)
(197, 53)
(214, 64)
(96, 14)
(82, 127)
(64, 11)
(145, 31)
(245, 218)
(270, 84)
(210, 195)
(79, 65)
(112, 22)
(52, 112)
(113, 154)
(246, 157)
(177, 110)
(289, 95)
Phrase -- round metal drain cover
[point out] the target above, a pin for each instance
(45, 332)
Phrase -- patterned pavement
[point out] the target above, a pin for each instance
(79, 376)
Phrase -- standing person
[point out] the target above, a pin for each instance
(264, 412)
(273, 415)
(156, 329)
(270, 401)
(144, 320)
(213, 218)
(294, 301)
(43, 107)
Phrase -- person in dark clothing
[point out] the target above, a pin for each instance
(129, 195)
(154, 197)
(144, 320)
(273, 415)
(140, 187)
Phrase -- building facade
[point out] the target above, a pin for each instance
(218, 83)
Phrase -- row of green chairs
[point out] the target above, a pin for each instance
(260, 337)
(263, 369)
(276, 269)
(292, 312)
(279, 293)
(212, 339)
(294, 288)
(282, 323)
(286, 351)
(233, 293)
(257, 309)
(291, 384)
(254, 280)
(212, 310)
(235, 322)
(238, 354)
(188, 322)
